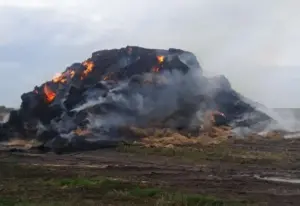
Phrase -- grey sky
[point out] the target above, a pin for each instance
(254, 43)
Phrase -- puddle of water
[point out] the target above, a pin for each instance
(279, 179)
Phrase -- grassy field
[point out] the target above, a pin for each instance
(34, 186)
(222, 174)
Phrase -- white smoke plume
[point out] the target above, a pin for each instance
(4, 118)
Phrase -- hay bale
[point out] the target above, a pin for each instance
(274, 135)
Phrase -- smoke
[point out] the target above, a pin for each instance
(287, 120)
(154, 97)
(4, 118)
(144, 99)
(283, 87)
(88, 104)
(134, 102)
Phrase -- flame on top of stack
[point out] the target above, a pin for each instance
(49, 94)
(63, 78)
(89, 67)
(160, 60)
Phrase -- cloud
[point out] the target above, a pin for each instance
(254, 43)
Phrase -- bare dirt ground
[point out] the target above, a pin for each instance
(234, 172)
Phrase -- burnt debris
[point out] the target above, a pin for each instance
(125, 87)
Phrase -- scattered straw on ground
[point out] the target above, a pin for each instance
(272, 135)
(169, 138)
(20, 143)
(155, 137)
(164, 137)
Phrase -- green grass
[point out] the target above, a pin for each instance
(7, 202)
(76, 182)
(39, 186)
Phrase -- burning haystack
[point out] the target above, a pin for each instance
(133, 86)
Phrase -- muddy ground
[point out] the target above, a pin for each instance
(235, 172)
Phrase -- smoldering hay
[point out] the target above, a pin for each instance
(132, 86)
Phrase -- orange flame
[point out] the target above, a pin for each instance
(72, 73)
(59, 78)
(81, 132)
(50, 95)
(89, 65)
(108, 76)
(160, 59)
